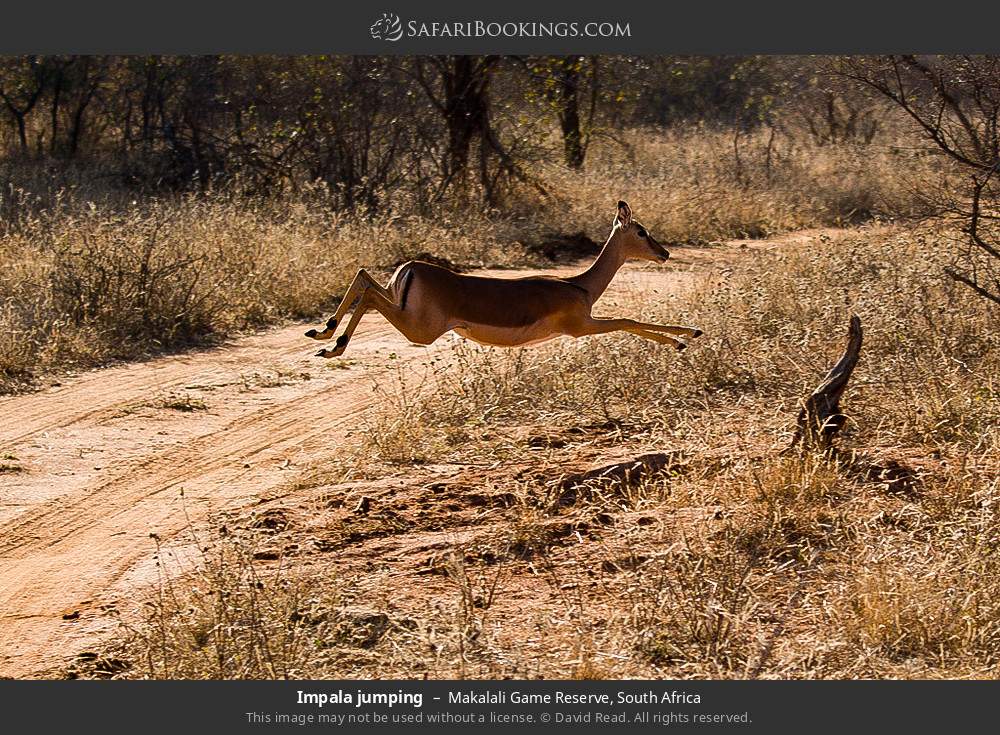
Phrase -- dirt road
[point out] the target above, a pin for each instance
(91, 467)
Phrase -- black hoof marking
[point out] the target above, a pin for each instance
(697, 333)
(312, 333)
(331, 323)
(681, 346)
(342, 341)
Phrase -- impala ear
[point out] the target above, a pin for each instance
(624, 213)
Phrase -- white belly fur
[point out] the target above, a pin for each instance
(501, 336)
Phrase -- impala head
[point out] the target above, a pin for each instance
(633, 239)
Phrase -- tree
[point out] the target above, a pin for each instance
(74, 82)
(459, 88)
(955, 102)
(23, 79)
(571, 89)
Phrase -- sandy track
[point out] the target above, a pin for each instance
(103, 464)
(96, 484)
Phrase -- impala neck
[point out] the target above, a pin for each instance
(596, 278)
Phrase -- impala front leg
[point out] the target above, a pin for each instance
(361, 282)
(604, 326)
(670, 329)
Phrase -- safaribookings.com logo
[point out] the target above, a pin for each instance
(390, 28)
(387, 28)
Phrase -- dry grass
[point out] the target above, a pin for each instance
(88, 275)
(880, 562)
(692, 186)
(80, 288)
(735, 562)
(468, 557)
(772, 329)
(238, 617)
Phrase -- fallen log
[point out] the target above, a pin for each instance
(820, 418)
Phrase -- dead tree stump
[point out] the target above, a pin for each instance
(820, 418)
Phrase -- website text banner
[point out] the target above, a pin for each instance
(510, 27)
(509, 706)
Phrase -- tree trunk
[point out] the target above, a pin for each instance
(22, 133)
(820, 418)
(56, 99)
(568, 101)
(466, 88)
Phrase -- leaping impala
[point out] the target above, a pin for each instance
(424, 301)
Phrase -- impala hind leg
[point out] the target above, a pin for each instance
(361, 282)
(419, 330)
(604, 326)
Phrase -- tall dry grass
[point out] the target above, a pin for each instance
(695, 186)
(747, 562)
(877, 562)
(927, 375)
(236, 617)
(88, 274)
(92, 283)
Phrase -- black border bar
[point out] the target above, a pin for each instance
(677, 706)
(664, 27)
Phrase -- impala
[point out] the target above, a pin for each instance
(424, 301)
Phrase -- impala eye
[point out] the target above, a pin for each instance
(642, 232)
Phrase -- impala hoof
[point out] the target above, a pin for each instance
(697, 333)
(681, 346)
(312, 333)
(321, 353)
